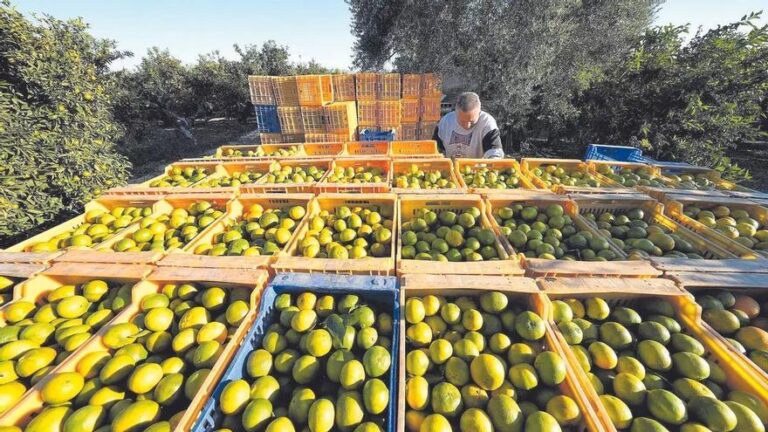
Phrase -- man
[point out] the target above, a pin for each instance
(468, 132)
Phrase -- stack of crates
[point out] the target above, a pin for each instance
(263, 99)
(420, 106)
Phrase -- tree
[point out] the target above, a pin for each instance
(524, 58)
(679, 101)
(57, 132)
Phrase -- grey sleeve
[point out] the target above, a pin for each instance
(436, 137)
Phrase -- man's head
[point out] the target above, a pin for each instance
(467, 109)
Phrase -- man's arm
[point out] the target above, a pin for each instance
(492, 148)
(436, 137)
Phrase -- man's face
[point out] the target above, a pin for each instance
(467, 119)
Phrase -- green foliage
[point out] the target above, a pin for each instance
(56, 125)
(689, 102)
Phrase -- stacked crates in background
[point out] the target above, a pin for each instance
(341, 120)
(343, 87)
(263, 99)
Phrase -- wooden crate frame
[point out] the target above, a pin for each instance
(292, 263)
(506, 265)
(525, 182)
(325, 186)
(519, 288)
(549, 268)
(674, 209)
(445, 166)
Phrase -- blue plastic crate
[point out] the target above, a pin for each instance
(267, 120)
(376, 289)
(611, 152)
(376, 135)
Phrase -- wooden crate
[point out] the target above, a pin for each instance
(409, 204)
(368, 266)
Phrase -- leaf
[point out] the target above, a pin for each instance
(335, 326)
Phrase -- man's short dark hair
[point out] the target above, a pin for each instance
(467, 101)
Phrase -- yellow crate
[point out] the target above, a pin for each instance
(313, 120)
(366, 149)
(366, 113)
(520, 291)
(431, 85)
(209, 166)
(270, 150)
(623, 292)
(260, 88)
(409, 110)
(270, 138)
(325, 186)
(543, 267)
(292, 137)
(408, 132)
(389, 87)
(323, 150)
(427, 130)
(429, 108)
(530, 164)
(293, 263)
(498, 164)
(411, 86)
(19, 270)
(654, 214)
(445, 166)
(31, 403)
(409, 204)
(675, 205)
(314, 90)
(366, 86)
(290, 120)
(343, 87)
(165, 207)
(285, 90)
(321, 138)
(235, 210)
(341, 119)
(414, 148)
(261, 186)
(103, 203)
(8, 257)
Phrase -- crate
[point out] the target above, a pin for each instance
(409, 204)
(104, 203)
(209, 166)
(521, 291)
(530, 164)
(313, 120)
(655, 172)
(409, 110)
(266, 118)
(366, 113)
(718, 183)
(341, 119)
(271, 151)
(611, 152)
(343, 87)
(366, 86)
(285, 90)
(431, 85)
(407, 131)
(429, 108)
(325, 186)
(260, 88)
(427, 130)
(270, 138)
(411, 86)
(499, 164)
(388, 114)
(445, 166)
(323, 150)
(543, 267)
(654, 214)
(290, 120)
(261, 186)
(366, 149)
(19, 270)
(320, 138)
(413, 149)
(293, 138)
(235, 211)
(380, 290)
(675, 205)
(8, 257)
(389, 87)
(374, 134)
(32, 402)
(314, 90)
(374, 266)
(623, 292)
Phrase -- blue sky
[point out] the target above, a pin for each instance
(316, 29)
